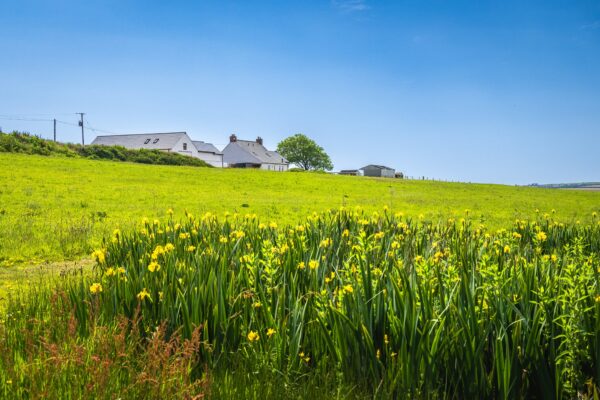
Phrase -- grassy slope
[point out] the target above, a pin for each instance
(54, 208)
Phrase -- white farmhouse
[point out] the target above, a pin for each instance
(252, 154)
(209, 153)
(174, 142)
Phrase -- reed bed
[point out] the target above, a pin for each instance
(388, 304)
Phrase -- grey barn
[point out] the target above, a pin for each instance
(378, 170)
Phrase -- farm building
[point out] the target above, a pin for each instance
(379, 170)
(252, 154)
(352, 172)
(209, 153)
(174, 142)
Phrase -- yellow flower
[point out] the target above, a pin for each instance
(273, 225)
(253, 336)
(96, 288)
(169, 247)
(554, 258)
(153, 266)
(271, 332)
(170, 211)
(516, 235)
(325, 243)
(379, 235)
(313, 264)
(300, 228)
(191, 248)
(378, 354)
(348, 289)
(110, 272)
(541, 236)
(184, 235)
(262, 226)
(507, 249)
(100, 256)
(144, 294)
(301, 265)
(223, 239)
(395, 245)
(258, 304)
(345, 233)
(121, 270)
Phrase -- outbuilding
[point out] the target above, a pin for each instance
(379, 171)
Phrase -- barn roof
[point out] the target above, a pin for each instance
(377, 166)
(204, 147)
(157, 141)
(250, 152)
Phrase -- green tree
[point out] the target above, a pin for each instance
(304, 152)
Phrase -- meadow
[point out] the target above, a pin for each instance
(243, 283)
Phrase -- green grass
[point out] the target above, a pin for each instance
(54, 208)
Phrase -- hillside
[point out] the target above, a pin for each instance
(25, 143)
(56, 208)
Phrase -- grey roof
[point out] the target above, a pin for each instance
(157, 141)
(204, 147)
(377, 166)
(249, 152)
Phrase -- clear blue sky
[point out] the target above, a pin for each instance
(504, 91)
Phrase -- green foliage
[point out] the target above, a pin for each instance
(29, 144)
(389, 303)
(304, 152)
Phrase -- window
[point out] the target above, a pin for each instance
(185, 146)
(147, 141)
(155, 141)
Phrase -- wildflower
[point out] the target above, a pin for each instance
(300, 228)
(262, 226)
(110, 272)
(313, 264)
(386, 339)
(258, 304)
(418, 259)
(144, 294)
(273, 225)
(516, 235)
(95, 288)
(184, 235)
(378, 354)
(191, 248)
(223, 239)
(253, 336)
(507, 249)
(160, 296)
(597, 299)
(271, 332)
(378, 235)
(345, 233)
(348, 289)
(325, 243)
(541, 236)
(301, 265)
(153, 266)
(120, 270)
(554, 258)
(100, 256)
(395, 245)
(170, 211)
(169, 247)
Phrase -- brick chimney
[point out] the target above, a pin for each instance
(233, 138)
(259, 140)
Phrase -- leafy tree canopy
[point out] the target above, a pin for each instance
(304, 152)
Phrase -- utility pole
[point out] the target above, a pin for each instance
(55, 130)
(81, 125)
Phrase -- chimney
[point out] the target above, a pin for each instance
(259, 140)
(233, 138)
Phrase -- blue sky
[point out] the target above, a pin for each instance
(504, 91)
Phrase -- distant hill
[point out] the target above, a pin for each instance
(25, 143)
(580, 185)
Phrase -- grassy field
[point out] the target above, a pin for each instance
(53, 208)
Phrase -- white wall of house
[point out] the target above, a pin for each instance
(186, 147)
(216, 160)
(274, 167)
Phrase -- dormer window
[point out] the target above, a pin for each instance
(147, 141)
(185, 146)
(155, 141)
